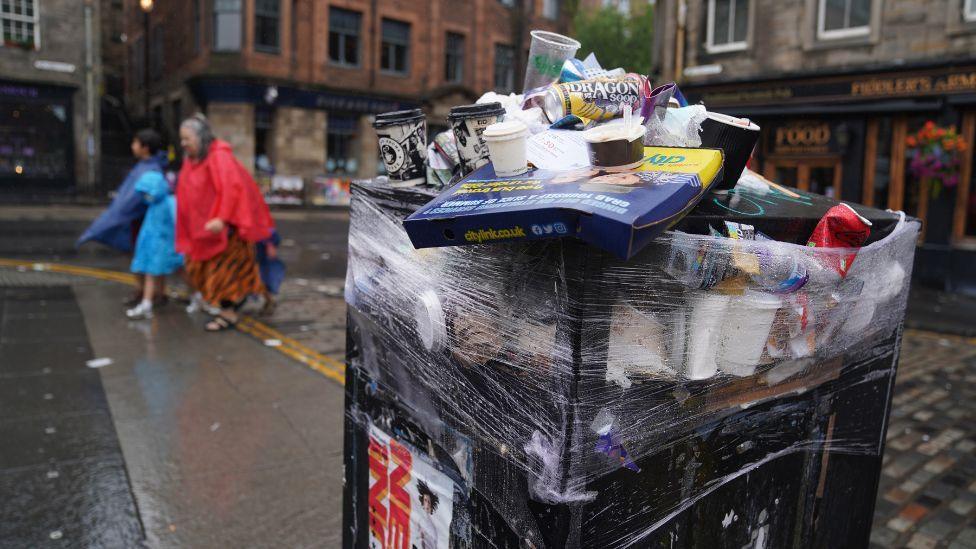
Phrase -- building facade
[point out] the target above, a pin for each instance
(293, 84)
(50, 73)
(840, 89)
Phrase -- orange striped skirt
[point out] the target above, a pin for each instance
(227, 278)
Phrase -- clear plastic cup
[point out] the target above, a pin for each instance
(547, 53)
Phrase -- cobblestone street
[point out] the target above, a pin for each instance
(927, 495)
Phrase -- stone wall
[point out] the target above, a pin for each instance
(298, 142)
(234, 123)
(368, 148)
(783, 39)
(61, 39)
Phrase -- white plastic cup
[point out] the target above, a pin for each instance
(745, 331)
(704, 329)
(506, 147)
(547, 53)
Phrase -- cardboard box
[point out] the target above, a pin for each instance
(617, 211)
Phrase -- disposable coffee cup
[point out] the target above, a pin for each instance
(737, 137)
(468, 122)
(506, 147)
(403, 146)
(615, 145)
(547, 53)
(704, 331)
(746, 326)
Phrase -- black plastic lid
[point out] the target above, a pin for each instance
(396, 118)
(477, 110)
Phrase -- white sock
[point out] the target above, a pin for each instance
(146, 304)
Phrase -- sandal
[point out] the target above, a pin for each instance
(220, 324)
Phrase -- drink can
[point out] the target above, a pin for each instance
(594, 99)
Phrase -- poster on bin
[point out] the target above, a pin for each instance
(410, 502)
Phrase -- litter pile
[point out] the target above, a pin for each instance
(579, 320)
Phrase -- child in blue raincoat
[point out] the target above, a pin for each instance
(118, 225)
(155, 252)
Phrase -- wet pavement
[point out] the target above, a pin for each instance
(62, 473)
(227, 441)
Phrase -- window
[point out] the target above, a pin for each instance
(19, 20)
(267, 21)
(843, 18)
(340, 143)
(394, 52)
(227, 25)
(344, 36)
(507, 3)
(454, 58)
(550, 9)
(728, 25)
(263, 125)
(504, 68)
(156, 52)
(176, 116)
(969, 10)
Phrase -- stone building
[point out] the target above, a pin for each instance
(293, 84)
(839, 87)
(50, 74)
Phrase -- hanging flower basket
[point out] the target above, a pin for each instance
(935, 155)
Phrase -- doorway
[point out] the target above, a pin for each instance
(817, 175)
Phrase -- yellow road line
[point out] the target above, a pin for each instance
(325, 365)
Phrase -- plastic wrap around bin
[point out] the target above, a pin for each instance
(550, 395)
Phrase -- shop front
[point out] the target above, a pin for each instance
(857, 136)
(36, 138)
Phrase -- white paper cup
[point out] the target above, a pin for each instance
(745, 331)
(506, 147)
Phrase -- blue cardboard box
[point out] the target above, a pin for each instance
(618, 211)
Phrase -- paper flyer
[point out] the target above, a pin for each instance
(410, 502)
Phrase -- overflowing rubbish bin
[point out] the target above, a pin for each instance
(550, 394)
(579, 320)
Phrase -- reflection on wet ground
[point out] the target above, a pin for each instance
(225, 441)
(63, 480)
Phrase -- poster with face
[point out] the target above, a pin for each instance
(410, 501)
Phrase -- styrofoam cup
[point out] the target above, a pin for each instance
(745, 331)
(704, 328)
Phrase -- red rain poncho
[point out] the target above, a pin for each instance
(218, 187)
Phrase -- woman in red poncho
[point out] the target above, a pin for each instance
(220, 216)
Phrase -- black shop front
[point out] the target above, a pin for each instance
(848, 135)
(36, 137)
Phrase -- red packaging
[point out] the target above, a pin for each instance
(840, 227)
